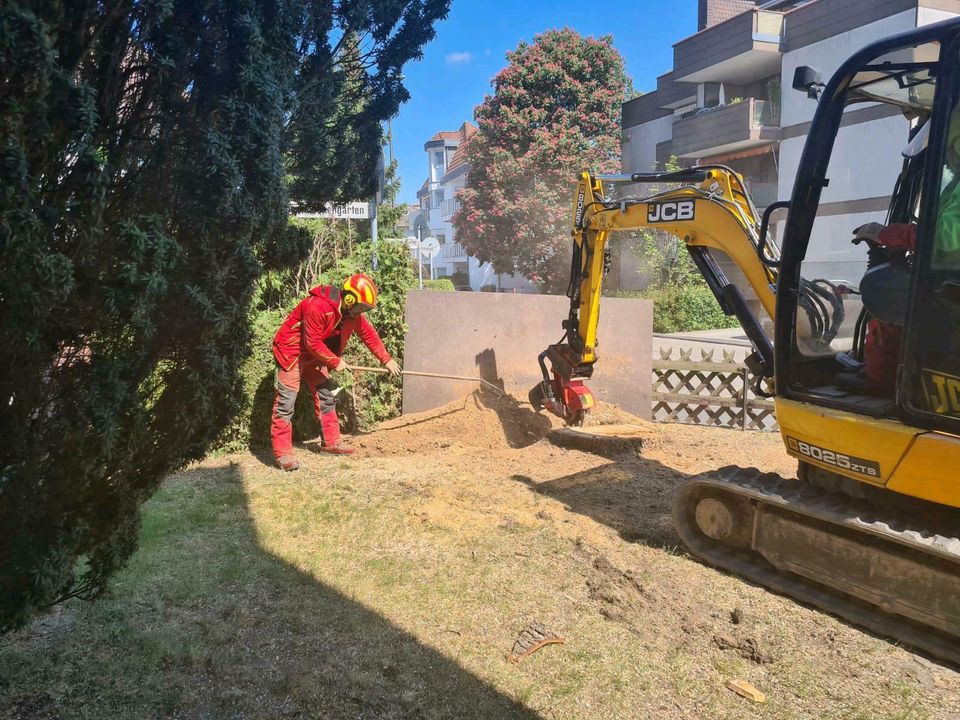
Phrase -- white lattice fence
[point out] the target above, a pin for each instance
(707, 391)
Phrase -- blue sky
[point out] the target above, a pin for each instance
(470, 48)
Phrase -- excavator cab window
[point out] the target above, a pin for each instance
(847, 272)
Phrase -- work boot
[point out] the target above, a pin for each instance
(288, 463)
(338, 448)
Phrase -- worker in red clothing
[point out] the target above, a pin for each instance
(308, 347)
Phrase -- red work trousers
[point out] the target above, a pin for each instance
(324, 404)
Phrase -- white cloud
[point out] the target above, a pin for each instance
(458, 58)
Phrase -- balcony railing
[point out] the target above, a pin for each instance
(448, 208)
(749, 42)
(766, 113)
(452, 250)
(739, 125)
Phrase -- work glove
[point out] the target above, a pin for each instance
(867, 233)
(394, 369)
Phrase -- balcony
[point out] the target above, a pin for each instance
(742, 49)
(448, 208)
(727, 128)
(672, 94)
(453, 251)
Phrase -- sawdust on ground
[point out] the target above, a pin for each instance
(482, 438)
(480, 420)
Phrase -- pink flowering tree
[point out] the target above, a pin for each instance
(554, 113)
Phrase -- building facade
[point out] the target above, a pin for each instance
(728, 99)
(447, 172)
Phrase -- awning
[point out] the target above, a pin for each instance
(739, 154)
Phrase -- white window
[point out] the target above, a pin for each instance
(437, 198)
(438, 158)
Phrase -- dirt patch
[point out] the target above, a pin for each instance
(747, 648)
(480, 420)
(619, 593)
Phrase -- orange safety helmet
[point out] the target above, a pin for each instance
(359, 293)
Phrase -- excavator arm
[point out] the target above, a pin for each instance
(709, 209)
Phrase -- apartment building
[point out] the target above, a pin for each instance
(728, 99)
(447, 172)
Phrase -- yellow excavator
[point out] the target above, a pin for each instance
(865, 371)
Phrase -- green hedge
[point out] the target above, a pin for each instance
(683, 308)
(445, 284)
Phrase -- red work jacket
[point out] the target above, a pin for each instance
(317, 329)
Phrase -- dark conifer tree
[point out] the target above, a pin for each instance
(147, 154)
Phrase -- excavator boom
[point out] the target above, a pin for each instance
(709, 209)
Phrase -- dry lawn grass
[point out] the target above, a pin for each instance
(393, 585)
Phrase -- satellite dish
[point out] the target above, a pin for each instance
(430, 247)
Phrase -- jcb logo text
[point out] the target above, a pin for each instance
(670, 211)
(943, 392)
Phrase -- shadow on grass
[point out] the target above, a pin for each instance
(204, 623)
(633, 496)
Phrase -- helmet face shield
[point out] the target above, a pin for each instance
(358, 308)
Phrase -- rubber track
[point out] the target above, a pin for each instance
(834, 508)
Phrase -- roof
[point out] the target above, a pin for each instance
(455, 134)
(445, 135)
(467, 131)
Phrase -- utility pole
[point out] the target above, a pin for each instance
(420, 257)
(390, 139)
(378, 197)
(373, 230)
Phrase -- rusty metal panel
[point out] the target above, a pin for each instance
(498, 337)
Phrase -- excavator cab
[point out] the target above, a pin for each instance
(886, 342)
(886, 389)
